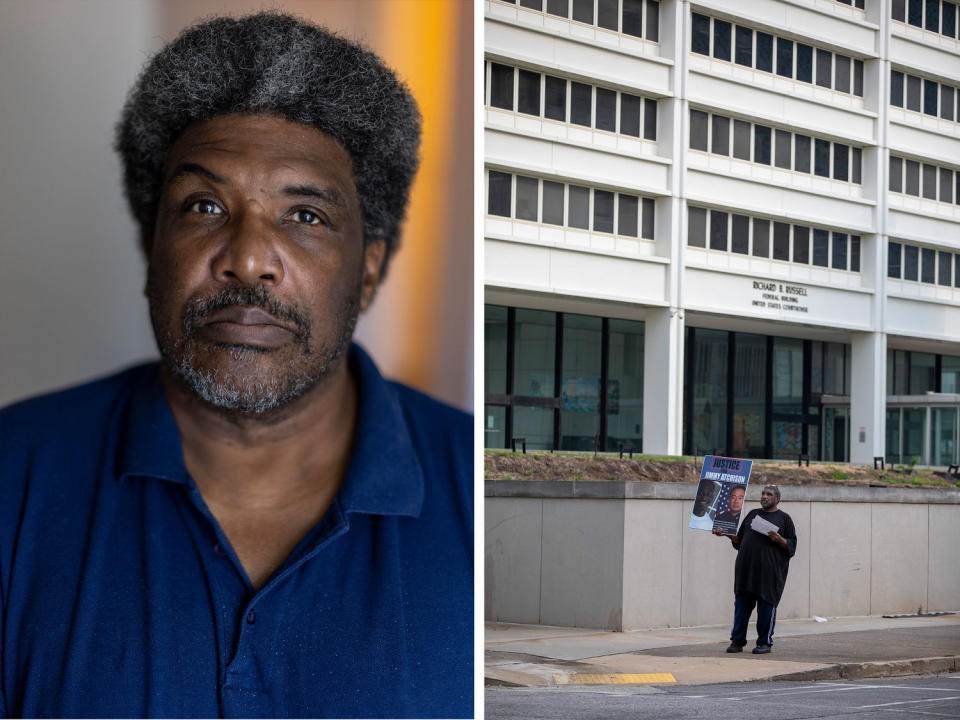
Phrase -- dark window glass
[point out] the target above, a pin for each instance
(761, 144)
(583, 11)
(896, 174)
(606, 110)
(744, 46)
(946, 185)
(823, 67)
(782, 149)
(498, 199)
(930, 98)
(956, 269)
(653, 21)
(841, 161)
(896, 88)
(697, 227)
(633, 18)
(528, 93)
(501, 86)
(578, 213)
(915, 12)
(526, 198)
(804, 63)
(558, 7)
(913, 93)
(781, 241)
(627, 215)
(602, 211)
(957, 193)
(932, 20)
(946, 102)
(944, 268)
(649, 217)
(858, 78)
(913, 178)
(555, 98)
(856, 160)
(839, 260)
(718, 230)
(700, 34)
(630, 114)
(581, 99)
(784, 57)
(893, 260)
(929, 182)
(801, 153)
(899, 10)
(841, 75)
(860, 4)
(855, 253)
(911, 261)
(928, 266)
(764, 52)
(821, 241)
(721, 135)
(949, 19)
(761, 238)
(721, 39)
(801, 244)
(552, 203)
(649, 119)
(741, 139)
(821, 158)
(740, 234)
(698, 130)
(532, 4)
(607, 14)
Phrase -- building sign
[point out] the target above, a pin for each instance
(780, 296)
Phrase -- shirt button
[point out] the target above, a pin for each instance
(251, 617)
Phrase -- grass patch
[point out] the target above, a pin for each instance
(839, 474)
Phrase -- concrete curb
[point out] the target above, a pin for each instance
(889, 668)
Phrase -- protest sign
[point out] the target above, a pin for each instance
(720, 494)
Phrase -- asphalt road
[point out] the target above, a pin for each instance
(912, 698)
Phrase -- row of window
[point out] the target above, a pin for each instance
(920, 264)
(565, 204)
(933, 15)
(915, 373)
(731, 232)
(859, 4)
(922, 95)
(938, 183)
(754, 49)
(623, 16)
(763, 145)
(573, 102)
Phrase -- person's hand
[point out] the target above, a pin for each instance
(777, 539)
(718, 532)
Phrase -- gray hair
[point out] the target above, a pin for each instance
(275, 64)
(775, 489)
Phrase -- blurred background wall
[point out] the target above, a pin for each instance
(71, 275)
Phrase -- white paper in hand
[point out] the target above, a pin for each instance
(763, 526)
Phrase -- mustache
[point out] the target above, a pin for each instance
(199, 308)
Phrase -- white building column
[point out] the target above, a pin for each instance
(868, 394)
(663, 382)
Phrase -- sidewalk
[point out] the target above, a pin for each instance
(850, 648)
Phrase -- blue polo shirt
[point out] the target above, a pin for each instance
(121, 596)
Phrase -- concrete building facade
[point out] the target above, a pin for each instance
(728, 227)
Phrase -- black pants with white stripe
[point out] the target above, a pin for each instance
(743, 605)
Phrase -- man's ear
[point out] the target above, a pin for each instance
(373, 256)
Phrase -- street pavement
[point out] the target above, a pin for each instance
(838, 649)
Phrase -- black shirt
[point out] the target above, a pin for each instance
(762, 565)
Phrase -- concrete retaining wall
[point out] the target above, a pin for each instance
(619, 556)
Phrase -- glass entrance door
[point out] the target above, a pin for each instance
(943, 436)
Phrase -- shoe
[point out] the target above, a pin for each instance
(761, 649)
(733, 647)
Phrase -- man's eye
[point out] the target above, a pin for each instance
(206, 207)
(307, 217)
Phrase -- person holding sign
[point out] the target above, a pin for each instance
(764, 543)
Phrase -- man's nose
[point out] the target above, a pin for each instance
(250, 253)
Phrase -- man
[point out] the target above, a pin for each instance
(728, 519)
(259, 525)
(761, 570)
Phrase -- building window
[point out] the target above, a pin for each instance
(937, 16)
(736, 43)
(628, 20)
(938, 183)
(923, 95)
(544, 201)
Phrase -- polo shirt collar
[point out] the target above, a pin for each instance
(384, 476)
